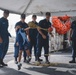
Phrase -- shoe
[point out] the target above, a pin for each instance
(19, 66)
(24, 61)
(47, 62)
(37, 63)
(72, 61)
(3, 64)
(16, 62)
(40, 59)
(28, 59)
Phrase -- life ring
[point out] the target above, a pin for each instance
(61, 27)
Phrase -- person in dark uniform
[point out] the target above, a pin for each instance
(23, 42)
(73, 39)
(43, 38)
(4, 36)
(33, 36)
(16, 45)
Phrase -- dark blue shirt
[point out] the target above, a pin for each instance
(44, 24)
(33, 32)
(73, 26)
(4, 28)
(22, 25)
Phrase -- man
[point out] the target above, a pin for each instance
(73, 38)
(16, 46)
(22, 39)
(33, 37)
(43, 39)
(4, 36)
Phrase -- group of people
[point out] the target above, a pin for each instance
(27, 37)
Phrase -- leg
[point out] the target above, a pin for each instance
(30, 46)
(35, 46)
(5, 48)
(39, 47)
(26, 48)
(28, 52)
(20, 54)
(16, 52)
(73, 51)
(46, 49)
(1, 53)
(24, 55)
(19, 60)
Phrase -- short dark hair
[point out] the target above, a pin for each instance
(23, 16)
(6, 11)
(48, 14)
(34, 16)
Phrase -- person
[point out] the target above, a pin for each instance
(4, 36)
(73, 39)
(43, 39)
(33, 37)
(16, 52)
(22, 40)
(16, 45)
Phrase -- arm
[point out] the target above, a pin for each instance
(51, 33)
(17, 27)
(26, 29)
(27, 32)
(0, 34)
(71, 31)
(9, 34)
(39, 30)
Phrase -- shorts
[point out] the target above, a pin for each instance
(22, 46)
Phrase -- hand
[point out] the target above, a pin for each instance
(17, 44)
(28, 39)
(1, 40)
(52, 35)
(44, 37)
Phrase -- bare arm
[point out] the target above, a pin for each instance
(26, 29)
(17, 27)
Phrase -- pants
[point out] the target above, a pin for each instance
(74, 49)
(33, 43)
(4, 48)
(43, 43)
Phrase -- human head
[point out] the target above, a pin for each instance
(48, 15)
(23, 16)
(6, 13)
(34, 17)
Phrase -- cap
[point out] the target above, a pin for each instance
(48, 14)
(6, 11)
(23, 15)
(34, 16)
